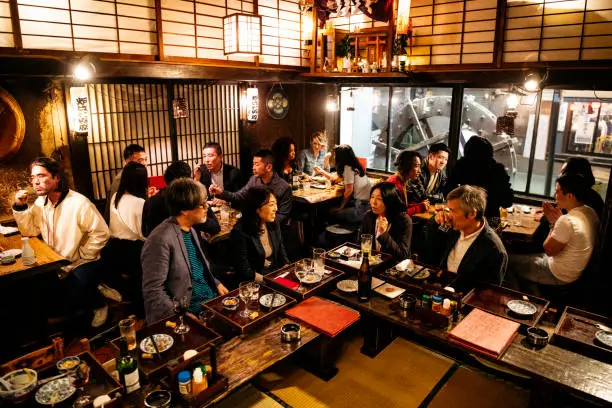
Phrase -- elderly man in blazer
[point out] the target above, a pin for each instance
(173, 262)
(464, 243)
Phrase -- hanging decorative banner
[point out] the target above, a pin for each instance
(80, 110)
(180, 108)
(252, 104)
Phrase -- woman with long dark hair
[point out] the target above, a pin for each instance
(121, 255)
(256, 239)
(408, 183)
(388, 222)
(283, 151)
(356, 185)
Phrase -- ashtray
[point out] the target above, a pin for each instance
(537, 337)
(230, 303)
(290, 332)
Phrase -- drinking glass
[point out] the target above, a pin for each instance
(225, 215)
(244, 291)
(254, 291)
(205, 316)
(366, 244)
(306, 185)
(328, 183)
(503, 214)
(319, 261)
(300, 272)
(127, 329)
(308, 265)
(80, 378)
(180, 306)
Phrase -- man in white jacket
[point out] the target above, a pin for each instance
(71, 225)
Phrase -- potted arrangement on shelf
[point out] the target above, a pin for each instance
(343, 54)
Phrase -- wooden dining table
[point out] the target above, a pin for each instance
(522, 222)
(317, 195)
(226, 228)
(46, 258)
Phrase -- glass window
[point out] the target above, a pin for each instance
(584, 129)
(507, 120)
(417, 118)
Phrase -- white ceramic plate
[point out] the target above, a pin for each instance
(55, 391)
(390, 291)
(163, 341)
(318, 186)
(522, 307)
(347, 285)
(266, 299)
(310, 279)
(605, 337)
(11, 252)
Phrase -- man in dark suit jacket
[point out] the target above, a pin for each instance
(173, 262)
(471, 249)
(156, 210)
(214, 171)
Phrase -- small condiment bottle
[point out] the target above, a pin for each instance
(425, 302)
(446, 307)
(436, 303)
(184, 384)
(199, 382)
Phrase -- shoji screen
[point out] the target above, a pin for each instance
(6, 28)
(122, 26)
(281, 32)
(453, 32)
(556, 30)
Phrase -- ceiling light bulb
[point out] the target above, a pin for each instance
(512, 101)
(83, 72)
(531, 85)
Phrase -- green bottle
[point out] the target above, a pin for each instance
(127, 367)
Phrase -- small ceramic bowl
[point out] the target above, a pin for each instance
(158, 399)
(537, 337)
(23, 381)
(290, 332)
(70, 363)
(230, 303)
(7, 259)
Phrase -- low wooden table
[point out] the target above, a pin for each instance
(317, 195)
(521, 225)
(46, 258)
(548, 366)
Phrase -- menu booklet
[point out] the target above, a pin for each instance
(323, 315)
(485, 333)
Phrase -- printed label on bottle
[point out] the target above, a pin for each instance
(131, 381)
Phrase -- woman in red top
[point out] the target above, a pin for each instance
(412, 192)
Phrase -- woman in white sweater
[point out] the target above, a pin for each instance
(121, 255)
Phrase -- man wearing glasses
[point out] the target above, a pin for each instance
(174, 265)
(71, 225)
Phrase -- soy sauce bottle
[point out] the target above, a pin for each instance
(364, 279)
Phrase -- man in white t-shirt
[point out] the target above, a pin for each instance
(569, 245)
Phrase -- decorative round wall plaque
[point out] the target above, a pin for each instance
(12, 125)
(277, 103)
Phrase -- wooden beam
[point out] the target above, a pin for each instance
(14, 8)
(500, 26)
(159, 27)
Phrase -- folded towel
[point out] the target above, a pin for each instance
(286, 283)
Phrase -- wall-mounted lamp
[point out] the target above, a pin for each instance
(512, 101)
(532, 82)
(78, 112)
(84, 70)
(332, 103)
(252, 104)
(242, 34)
(307, 28)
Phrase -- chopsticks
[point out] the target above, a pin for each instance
(155, 347)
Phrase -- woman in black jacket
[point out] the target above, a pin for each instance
(256, 238)
(477, 167)
(388, 222)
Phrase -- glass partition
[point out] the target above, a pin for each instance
(379, 127)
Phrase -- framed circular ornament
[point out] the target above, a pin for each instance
(277, 103)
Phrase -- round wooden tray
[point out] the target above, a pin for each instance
(12, 125)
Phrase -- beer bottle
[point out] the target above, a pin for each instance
(127, 367)
(364, 279)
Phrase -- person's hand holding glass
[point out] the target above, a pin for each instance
(443, 219)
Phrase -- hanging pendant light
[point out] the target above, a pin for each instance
(242, 34)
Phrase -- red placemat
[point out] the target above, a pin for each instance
(287, 283)
(324, 316)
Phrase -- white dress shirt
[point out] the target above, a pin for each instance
(461, 247)
(126, 218)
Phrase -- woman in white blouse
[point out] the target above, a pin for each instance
(121, 256)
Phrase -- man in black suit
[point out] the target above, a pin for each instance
(156, 209)
(214, 171)
(460, 241)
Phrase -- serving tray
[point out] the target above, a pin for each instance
(287, 273)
